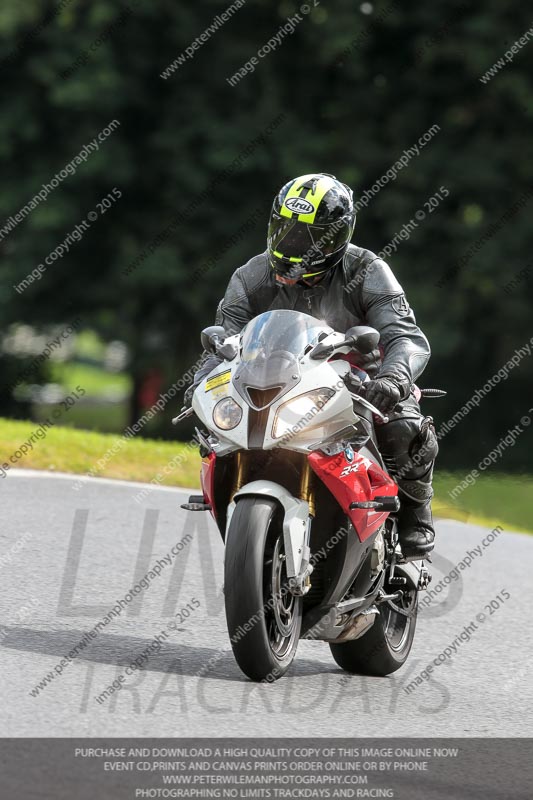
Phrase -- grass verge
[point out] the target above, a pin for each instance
(78, 451)
(493, 500)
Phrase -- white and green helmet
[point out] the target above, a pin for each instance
(311, 224)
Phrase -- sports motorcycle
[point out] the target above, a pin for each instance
(294, 480)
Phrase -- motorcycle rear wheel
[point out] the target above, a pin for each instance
(264, 619)
(386, 646)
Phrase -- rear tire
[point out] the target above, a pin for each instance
(386, 646)
(264, 619)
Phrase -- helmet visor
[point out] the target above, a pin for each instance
(298, 244)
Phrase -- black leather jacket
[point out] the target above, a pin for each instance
(361, 291)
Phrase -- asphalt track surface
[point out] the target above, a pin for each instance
(67, 556)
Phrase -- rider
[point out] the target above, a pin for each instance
(310, 266)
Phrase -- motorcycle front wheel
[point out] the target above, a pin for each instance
(264, 619)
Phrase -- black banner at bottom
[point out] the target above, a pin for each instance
(131, 769)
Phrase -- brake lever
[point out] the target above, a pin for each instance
(184, 413)
(368, 405)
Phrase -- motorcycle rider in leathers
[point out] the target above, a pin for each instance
(310, 266)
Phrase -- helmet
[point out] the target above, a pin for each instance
(311, 224)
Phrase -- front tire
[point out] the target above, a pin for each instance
(264, 619)
(386, 646)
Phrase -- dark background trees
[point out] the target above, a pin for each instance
(355, 85)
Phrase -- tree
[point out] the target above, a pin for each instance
(197, 161)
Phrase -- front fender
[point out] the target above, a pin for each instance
(295, 520)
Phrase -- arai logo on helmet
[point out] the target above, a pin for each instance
(299, 206)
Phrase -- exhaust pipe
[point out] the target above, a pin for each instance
(358, 625)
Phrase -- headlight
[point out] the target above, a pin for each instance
(227, 414)
(294, 415)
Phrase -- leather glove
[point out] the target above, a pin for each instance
(384, 393)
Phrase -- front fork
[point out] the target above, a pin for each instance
(307, 491)
(240, 459)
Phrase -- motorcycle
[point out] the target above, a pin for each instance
(296, 485)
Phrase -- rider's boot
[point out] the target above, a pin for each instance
(415, 528)
(409, 446)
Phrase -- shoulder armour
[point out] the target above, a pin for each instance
(365, 269)
(255, 273)
(380, 279)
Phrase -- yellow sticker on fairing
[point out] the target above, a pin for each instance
(218, 380)
(220, 391)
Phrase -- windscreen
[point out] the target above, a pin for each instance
(271, 346)
(279, 331)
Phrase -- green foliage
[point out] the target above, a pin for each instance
(356, 90)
